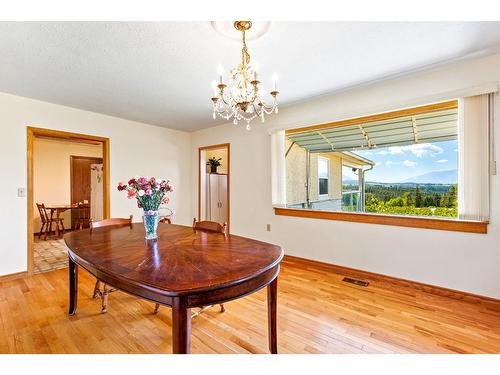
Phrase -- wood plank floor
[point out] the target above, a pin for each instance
(318, 313)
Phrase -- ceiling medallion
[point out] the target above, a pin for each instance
(241, 100)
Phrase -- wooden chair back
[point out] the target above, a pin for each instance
(110, 222)
(209, 226)
(43, 212)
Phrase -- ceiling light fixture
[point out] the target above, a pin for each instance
(242, 101)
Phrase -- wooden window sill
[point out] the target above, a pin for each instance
(402, 221)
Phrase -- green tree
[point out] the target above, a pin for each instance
(445, 199)
(418, 197)
(407, 198)
(437, 200)
(452, 197)
(395, 202)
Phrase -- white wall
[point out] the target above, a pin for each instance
(135, 149)
(52, 173)
(462, 261)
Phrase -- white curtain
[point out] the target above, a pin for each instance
(278, 170)
(475, 119)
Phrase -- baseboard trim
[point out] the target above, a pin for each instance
(377, 277)
(13, 276)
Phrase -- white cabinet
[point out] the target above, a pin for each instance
(217, 204)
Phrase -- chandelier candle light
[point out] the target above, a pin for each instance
(150, 193)
(242, 101)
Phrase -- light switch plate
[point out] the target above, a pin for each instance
(268, 227)
(21, 192)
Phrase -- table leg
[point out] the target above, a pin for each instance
(272, 296)
(181, 326)
(57, 223)
(50, 223)
(73, 286)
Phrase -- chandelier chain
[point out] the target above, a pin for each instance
(245, 56)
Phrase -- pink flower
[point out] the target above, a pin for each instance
(165, 200)
(142, 180)
(139, 204)
(170, 188)
(131, 181)
(121, 186)
(151, 212)
(131, 194)
(148, 192)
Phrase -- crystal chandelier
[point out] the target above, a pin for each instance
(242, 101)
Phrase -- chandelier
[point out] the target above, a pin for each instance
(242, 100)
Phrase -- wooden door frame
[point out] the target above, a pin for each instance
(35, 132)
(227, 146)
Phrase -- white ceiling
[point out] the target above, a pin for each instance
(161, 72)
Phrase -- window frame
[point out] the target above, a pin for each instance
(448, 224)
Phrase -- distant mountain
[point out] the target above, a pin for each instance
(437, 177)
(350, 182)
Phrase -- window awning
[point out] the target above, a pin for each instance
(420, 128)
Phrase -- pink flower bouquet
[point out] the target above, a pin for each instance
(150, 194)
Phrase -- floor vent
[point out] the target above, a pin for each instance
(354, 281)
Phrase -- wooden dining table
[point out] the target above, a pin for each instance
(184, 268)
(58, 209)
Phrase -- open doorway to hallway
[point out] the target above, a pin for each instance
(67, 187)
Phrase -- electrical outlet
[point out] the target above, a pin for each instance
(21, 192)
(268, 227)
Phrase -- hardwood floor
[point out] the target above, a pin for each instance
(317, 313)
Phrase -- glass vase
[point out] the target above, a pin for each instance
(151, 219)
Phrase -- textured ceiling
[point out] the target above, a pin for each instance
(161, 72)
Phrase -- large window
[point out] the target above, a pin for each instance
(404, 163)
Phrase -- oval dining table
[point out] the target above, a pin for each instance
(183, 268)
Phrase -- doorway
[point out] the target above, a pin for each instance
(214, 183)
(68, 184)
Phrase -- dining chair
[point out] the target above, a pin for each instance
(82, 215)
(209, 226)
(47, 221)
(104, 293)
(166, 215)
(106, 290)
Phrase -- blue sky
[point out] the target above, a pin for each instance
(398, 163)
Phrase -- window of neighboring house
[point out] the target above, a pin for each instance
(323, 176)
(389, 164)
